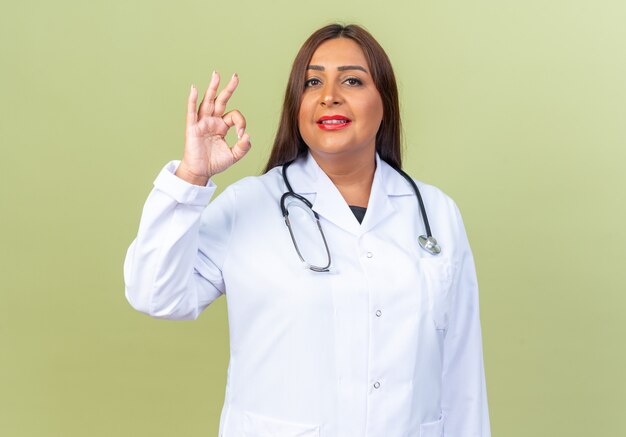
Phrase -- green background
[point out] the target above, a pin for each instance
(516, 109)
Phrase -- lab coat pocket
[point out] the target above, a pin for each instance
(432, 429)
(438, 276)
(256, 425)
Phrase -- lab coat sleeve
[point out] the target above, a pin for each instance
(464, 395)
(166, 274)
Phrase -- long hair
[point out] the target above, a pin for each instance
(289, 144)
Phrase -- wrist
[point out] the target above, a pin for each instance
(193, 178)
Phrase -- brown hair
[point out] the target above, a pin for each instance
(289, 144)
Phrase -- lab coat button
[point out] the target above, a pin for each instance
(378, 313)
(376, 384)
(369, 254)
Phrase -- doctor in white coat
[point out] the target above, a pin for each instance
(351, 329)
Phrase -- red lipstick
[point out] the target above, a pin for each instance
(333, 122)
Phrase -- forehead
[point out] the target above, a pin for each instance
(337, 52)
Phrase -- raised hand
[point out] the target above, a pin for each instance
(206, 152)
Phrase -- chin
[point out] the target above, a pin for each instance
(332, 148)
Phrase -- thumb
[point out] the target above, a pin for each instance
(241, 147)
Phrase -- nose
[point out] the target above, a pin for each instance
(330, 95)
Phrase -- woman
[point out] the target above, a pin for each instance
(375, 336)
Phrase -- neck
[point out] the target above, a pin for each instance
(352, 175)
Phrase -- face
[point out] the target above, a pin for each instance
(341, 108)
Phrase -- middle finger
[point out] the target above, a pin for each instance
(224, 95)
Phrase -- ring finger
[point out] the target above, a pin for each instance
(207, 106)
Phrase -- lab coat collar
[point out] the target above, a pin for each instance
(306, 177)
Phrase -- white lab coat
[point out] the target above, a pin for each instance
(387, 344)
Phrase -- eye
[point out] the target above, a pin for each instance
(311, 82)
(353, 81)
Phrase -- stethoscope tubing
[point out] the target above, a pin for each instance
(420, 201)
(408, 178)
(427, 242)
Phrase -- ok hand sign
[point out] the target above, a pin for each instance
(206, 153)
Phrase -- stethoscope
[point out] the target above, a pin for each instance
(427, 242)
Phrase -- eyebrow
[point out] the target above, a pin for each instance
(341, 68)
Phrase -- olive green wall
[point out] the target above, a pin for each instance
(517, 109)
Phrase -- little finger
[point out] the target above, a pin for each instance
(192, 116)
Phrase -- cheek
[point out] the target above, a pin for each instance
(301, 117)
(376, 107)
(373, 111)
(307, 105)
(305, 116)
(302, 125)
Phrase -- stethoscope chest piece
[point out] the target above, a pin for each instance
(429, 244)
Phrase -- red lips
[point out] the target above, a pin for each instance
(333, 122)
